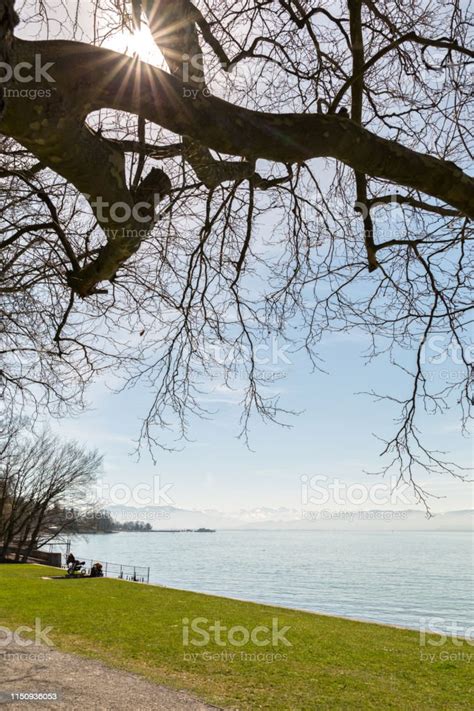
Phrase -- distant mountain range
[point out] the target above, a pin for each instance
(265, 518)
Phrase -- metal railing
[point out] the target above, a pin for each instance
(136, 573)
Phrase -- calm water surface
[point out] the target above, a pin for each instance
(398, 578)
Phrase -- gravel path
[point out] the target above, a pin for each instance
(81, 684)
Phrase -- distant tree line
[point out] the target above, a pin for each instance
(101, 521)
(135, 526)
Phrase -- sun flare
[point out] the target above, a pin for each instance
(140, 44)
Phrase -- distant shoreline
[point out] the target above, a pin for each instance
(243, 529)
(152, 530)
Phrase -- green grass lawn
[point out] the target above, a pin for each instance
(331, 664)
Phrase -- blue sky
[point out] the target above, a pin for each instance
(332, 437)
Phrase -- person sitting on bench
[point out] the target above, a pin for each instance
(96, 571)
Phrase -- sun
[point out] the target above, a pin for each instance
(142, 44)
(137, 44)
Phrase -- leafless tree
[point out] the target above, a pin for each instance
(279, 164)
(40, 479)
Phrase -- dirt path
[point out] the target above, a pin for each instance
(81, 684)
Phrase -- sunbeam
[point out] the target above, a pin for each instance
(139, 43)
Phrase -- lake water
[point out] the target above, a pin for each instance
(400, 578)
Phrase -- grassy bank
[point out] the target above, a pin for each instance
(331, 663)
